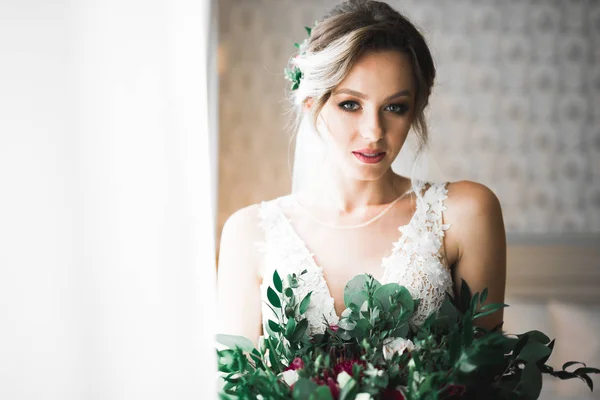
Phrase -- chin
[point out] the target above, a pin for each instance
(370, 173)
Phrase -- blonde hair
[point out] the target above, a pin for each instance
(346, 33)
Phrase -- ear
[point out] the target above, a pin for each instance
(308, 103)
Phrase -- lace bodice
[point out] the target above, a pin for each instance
(415, 262)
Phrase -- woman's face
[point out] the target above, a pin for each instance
(367, 118)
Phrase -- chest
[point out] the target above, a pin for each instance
(392, 251)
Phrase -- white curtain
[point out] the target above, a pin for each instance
(106, 231)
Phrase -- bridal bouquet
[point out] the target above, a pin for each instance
(375, 353)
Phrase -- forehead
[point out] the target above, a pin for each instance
(387, 70)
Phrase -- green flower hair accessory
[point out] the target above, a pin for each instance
(294, 74)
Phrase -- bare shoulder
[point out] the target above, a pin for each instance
(472, 209)
(244, 221)
(239, 236)
(468, 199)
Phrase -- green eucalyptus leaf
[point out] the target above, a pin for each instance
(274, 326)
(277, 282)
(384, 294)
(374, 317)
(484, 314)
(542, 361)
(303, 388)
(533, 352)
(289, 328)
(274, 355)
(270, 332)
(493, 306)
(235, 341)
(475, 303)
(404, 298)
(465, 296)
(300, 330)
(586, 370)
(347, 312)
(347, 324)
(523, 340)
(588, 381)
(400, 332)
(484, 296)
(289, 312)
(361, 330)
(536, 336)
(305, 303)
(356, 287)
(273, 298)
(531, 381)
(571, 363)
(344, 335)
(321, 393)
(448, 309)
(227, 361)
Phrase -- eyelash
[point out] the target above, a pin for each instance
(403, 107)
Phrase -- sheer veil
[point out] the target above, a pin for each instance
(310, 154)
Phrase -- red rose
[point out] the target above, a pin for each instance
(297, 363)
(347, 366)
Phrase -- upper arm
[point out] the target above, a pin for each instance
(479, 240)
(238, 282)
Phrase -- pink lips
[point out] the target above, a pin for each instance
(369, 156)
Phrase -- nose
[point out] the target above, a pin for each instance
(372, 128)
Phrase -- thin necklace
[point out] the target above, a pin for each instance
(375, 218)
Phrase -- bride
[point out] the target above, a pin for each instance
(366, 76)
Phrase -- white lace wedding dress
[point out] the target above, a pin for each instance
(415, 262)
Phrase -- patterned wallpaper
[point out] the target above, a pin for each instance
(516, 104)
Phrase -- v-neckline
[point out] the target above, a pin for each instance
(310, 256)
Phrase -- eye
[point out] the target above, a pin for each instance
(398, 108)
(348, 105)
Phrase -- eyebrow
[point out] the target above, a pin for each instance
(360, 95)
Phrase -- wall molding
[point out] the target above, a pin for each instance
(562, 268)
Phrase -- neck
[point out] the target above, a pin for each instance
(342, 194)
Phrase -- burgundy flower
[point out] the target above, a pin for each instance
(333, 388)
(327, 380)
(392, 394)
(297, 363)
(347, 366)
(334, 328)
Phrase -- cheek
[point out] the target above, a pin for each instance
(339, 126)
(399, 127)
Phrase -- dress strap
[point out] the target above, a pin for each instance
(270, 224)
(268, 216)
(435, 196)
(433, 200)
